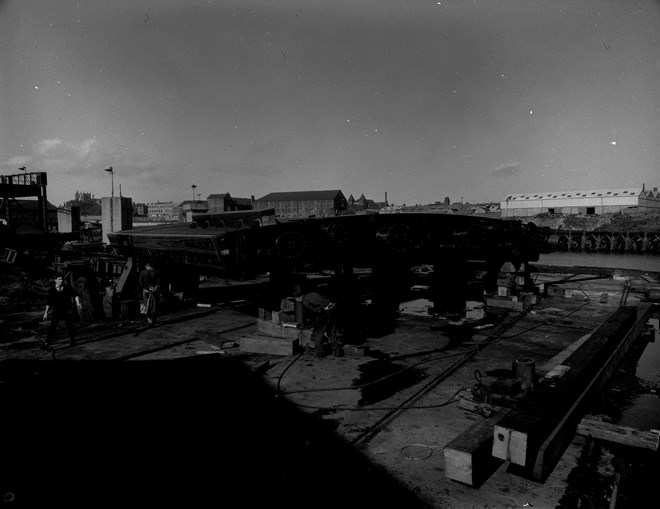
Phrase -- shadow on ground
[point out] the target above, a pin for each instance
(189, 432)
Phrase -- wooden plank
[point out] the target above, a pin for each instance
(557, 360)
(523, 430)
(468, 457)
(618, 434)
(555, 444)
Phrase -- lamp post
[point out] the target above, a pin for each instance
(112, 197)
(193, 188)
(112, 180)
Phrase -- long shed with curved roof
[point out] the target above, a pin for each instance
(592, 201)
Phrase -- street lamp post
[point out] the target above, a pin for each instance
(112, 197)
(112, 180)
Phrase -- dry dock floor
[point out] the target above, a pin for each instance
(193, 420)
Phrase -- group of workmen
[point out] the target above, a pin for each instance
(62, 303)
(319, 312)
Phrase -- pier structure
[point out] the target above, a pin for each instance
(606, 241)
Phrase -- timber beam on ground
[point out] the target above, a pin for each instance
(534, 435)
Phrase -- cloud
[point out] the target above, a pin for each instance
(18, 161)
(84, 158)
(47, 145)
(505, 170)
(83, 148)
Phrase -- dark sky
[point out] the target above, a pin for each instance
(419, 99)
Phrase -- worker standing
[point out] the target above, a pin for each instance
(61, 299)
(149, 288)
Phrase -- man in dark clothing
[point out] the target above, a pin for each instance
(322, 311)
(149, 287)
(60, 300)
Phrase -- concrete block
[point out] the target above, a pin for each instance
(468, 457)
(270, 345)
(475, 313)
(268, 328)
(475, 310)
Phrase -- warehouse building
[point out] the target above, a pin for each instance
(632, 200)
(301, 204)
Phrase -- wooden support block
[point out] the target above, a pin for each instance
(618, 434)
(528, 298)
(468, 457)
(503, 291)
(504, 302)
(507, 282)
(560, 291)
(269, 345)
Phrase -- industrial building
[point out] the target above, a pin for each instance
(628, 200)
(300, 204)
(161, 210)
(224, 202)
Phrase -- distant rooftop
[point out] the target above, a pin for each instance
(591, 193)
(301, 195)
